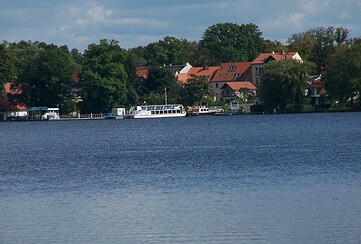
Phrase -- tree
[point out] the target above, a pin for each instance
(7, 66)
(157, 81)
(269, 46)
(283, 85)
(303, 43)
(171, 50)
(317, 44)
(103, 77)
(195, 90)
(44, 74)
(230, 42)
(343, 74)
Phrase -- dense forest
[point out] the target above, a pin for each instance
(105, 72)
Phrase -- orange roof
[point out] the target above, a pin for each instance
(5, 103)
(263, 57)
(237, 85)
(9, 90)
(203, 71)
(232, 71)
(141, 72)
(183, 78)
(208, 71)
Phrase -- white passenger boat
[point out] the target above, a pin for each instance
(157, 111)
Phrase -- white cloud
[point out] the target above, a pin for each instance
(98, 14)
(293, 20)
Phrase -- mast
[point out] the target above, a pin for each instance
(165, 96)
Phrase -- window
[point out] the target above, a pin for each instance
(234, 76)
(232, 68)
(216, 85)
(219, 76)
(256, 81)
(225, 76)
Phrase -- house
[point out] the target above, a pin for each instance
(9, 111)
(316, 89)
(259, 63)
(230, 72)
(141, 73)
(231, 90)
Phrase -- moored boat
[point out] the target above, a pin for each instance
(201, 111)
(156, 111)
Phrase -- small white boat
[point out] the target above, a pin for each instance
(157, 111)
(201, 111)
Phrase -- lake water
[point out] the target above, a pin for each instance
(234, 179)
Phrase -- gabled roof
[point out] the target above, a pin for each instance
(232, 72)
(236, 86)
(266, 57)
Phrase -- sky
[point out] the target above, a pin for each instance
(78, 23)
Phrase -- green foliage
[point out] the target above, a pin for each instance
(303, 43)
(283, 85)
(196, 90)
(44, 74)
(343, 74)
(103, 77)
(160, 79)
(7, 67)
(317, 44)
(230, 42)
(269, 46)
(170, 50)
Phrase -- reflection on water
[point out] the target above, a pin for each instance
(236, 179)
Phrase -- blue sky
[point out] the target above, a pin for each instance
(78, 23)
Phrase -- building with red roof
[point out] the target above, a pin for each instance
(9, 110)
(232, 89)
(263, 58)
(230, 72)
(316, 89)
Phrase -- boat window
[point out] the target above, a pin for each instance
(152, 112)
(157, 112)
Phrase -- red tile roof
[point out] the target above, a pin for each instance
(317, 83)
(208, 71)
(263, 57)
(232, 72)
(141, 72)
(203, 71)
(236, 86)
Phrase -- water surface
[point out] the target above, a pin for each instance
(234, 179)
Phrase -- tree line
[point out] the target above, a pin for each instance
(103, 75)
